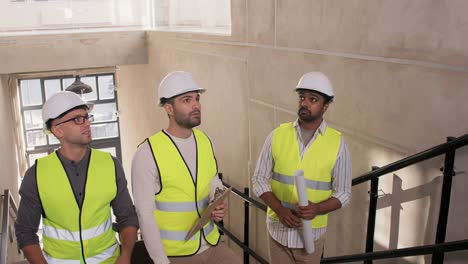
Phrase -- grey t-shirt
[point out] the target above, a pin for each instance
(30, 208)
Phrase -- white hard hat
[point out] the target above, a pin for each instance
(60, 103)
(316, 81)
(176, 83)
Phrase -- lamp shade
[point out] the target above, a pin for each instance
(79, 87)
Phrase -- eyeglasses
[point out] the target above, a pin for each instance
(78, 120)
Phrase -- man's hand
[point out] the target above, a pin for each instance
(288, 217)
(219, 212)
(309, 211)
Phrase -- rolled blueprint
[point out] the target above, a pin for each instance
(303, 201)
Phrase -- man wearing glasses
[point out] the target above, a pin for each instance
(74, 189)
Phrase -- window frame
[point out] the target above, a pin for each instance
(111, 142)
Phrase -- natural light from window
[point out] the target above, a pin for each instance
(212, 16)
(50, 16)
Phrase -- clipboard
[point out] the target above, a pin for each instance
(220, 196)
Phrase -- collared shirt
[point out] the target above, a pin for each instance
(30, 208)
(341, 184)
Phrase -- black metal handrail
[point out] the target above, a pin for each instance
(246, 249)
(402, 252)
(8, 203)
(247, 198)
(437, 250)
(438, 150)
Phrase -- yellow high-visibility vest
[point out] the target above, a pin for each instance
(72, 234)
(181, 201)
(317, 164)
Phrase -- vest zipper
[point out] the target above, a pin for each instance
(81, 239)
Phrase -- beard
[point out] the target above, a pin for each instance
(193, 119)
(306, 116)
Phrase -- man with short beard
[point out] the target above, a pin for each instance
(310, 145)
(174, 176)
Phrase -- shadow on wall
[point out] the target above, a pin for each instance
(431, 190)
(379, 247)
(457, 224)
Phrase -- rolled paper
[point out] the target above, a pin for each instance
(303, 201)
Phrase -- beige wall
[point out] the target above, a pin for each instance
(8, 162)
(54, 52)
(137, 110)
(399, 74)
(9, 176)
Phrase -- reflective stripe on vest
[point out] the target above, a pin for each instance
(63, 234)
(317, 163)
(101, 258)
(324, 186)
(183, 206)
(71, 232)
(181, 201)
(180, 235)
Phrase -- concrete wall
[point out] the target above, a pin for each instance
(9, 176)
(71, 51)
(399, 72)
(8, 162)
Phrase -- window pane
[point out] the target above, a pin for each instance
(33, 119)
(35, 138)
(91, 81)
(53, 140)
(212, 16)
(51, 87)
(112, 151)
(32, 157)
(67, 82)
(31, 92)
(71, 16)
(106, 87)
(104, 130)
(105, 112)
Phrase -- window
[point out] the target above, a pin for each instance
(211, 16)
(30, 15)
(105, 127)
(40, 16)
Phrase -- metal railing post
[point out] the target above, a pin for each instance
(373, 196)
(246, 226)
(438, 257)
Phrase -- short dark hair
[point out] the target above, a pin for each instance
(170, 100)
(49, 122)
(326, 98)
(165, 100)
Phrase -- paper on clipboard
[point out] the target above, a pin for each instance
(206, 216)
